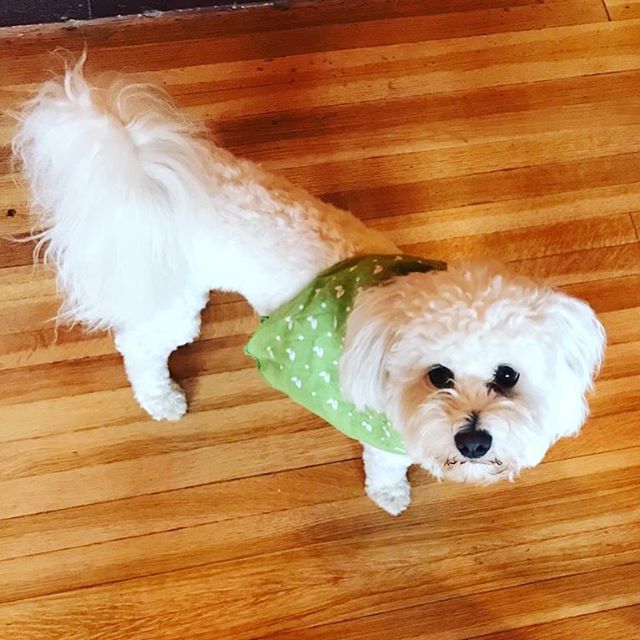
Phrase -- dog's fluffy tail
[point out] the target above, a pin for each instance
(117, 177)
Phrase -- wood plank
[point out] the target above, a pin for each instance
(530, 243)
(337, 36)
(547, 188)
(248, 131)
(609, 295)
(622, 360)
(497, 61)
(419, 69)
(512, 608)
(635, 217)
(143, 600)
(606, 625)
(450, 161)
(623, 9)
(173, 550)
(583, 266)
(170, 471)
(423, 135)
(178, 27)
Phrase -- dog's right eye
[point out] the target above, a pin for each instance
(440, 377)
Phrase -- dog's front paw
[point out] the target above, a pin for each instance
(394, 499)
(168, 405)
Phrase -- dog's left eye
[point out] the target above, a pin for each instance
(505, 377)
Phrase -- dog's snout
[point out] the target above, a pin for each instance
(473, 443)
(472, 420)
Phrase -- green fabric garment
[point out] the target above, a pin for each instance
(298, 347)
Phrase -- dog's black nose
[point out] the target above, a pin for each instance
(473, 443)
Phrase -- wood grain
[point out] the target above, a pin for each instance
(461, 128)
(623, 9)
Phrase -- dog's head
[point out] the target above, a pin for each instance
(479, 370)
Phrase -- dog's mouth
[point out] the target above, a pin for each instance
(452, 462)
(478, 471)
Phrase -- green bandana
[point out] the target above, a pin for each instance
(297, 349)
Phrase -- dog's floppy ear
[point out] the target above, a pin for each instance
(579, 335)
(369, 334)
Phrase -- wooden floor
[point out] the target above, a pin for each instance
(503, 128)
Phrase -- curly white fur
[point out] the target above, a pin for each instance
(142, 217)
(472, 319)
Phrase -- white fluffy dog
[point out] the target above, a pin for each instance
(478, 371)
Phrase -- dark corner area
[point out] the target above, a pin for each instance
(25, 12)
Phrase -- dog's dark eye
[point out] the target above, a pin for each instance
(505, 377)
(440, 377)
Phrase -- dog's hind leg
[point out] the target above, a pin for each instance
(146, 348)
